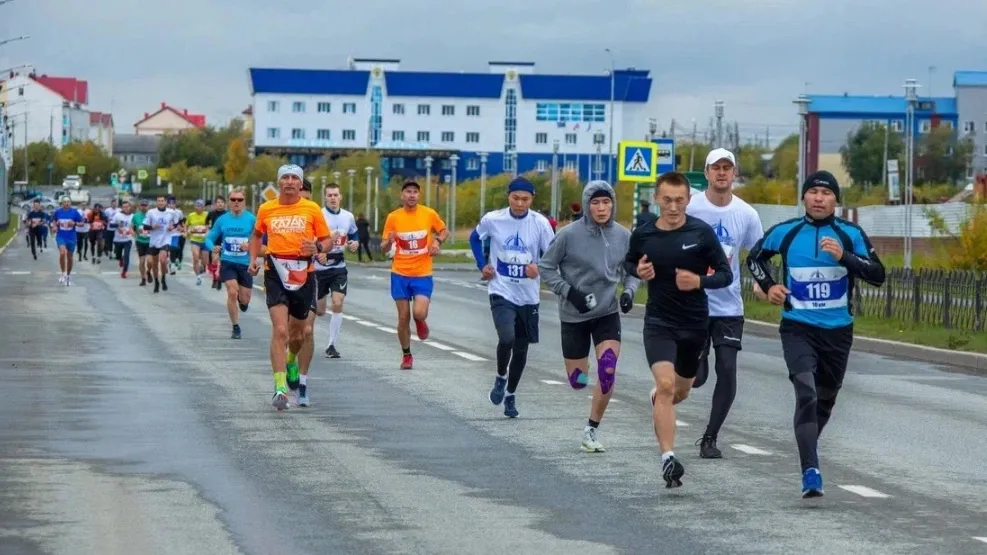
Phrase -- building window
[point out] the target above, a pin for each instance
(376, 113)
(448, 137)
(298, 107)
(541, 165)
(349, 135)
(554, 111)
(349, 107)
(297, 133)
(969, 126)
(472, 137)
(945, 123)
(397, 163)
(398, 109)
(570, 138)
(397, 136)
(473, 111)
(323, 107)
(448, 110)
(20, 91)
(541, 138)
(323, 134)
(985, 150)
(445, 164)
(472, 164)
(925, 126)
(423, 136)
(570, 165)
(969, 172)
(424, 110)
(273, 105)
(273, 133)
(897, 126)
(510, 128)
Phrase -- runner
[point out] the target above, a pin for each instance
(330, 268)
(738, 227)
(822, 257)
(197, 230)
(37, 222)
(82, 232)
(410, 230)
(142, 241)
(177, 250)
(583, 267)
(296, 232)
(518, 238)
(63, 224)
(228, 240)
(219, 208)
(97, 230)
(124, 237)
(161, 222)
(110, 232)
(676, 317)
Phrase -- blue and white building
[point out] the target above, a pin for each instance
(513, 114)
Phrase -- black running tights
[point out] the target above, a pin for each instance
(726, 386)
(512, 356)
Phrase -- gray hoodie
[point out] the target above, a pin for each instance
(589, 257)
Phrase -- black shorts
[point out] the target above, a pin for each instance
(822, 351)
(578, 337)
(154, 251)
(682, 347)
(524, 318)
(331, 281)
(142, 248)
(299, 302)
(231, 271)
(725, 331)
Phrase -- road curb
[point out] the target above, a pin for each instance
(9, 241)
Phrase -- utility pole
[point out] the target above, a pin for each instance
(803, 103)
(692, 149)
(718, 107)
(911, 86)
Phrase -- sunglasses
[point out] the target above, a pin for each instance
(236, 200)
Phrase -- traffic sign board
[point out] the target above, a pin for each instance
(114, 179)
(81, 170)
(636, 161)
(666, 155)
(141, 174)
(269, 193)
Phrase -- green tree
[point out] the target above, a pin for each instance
(749, 160)
(39, 156)
(944, 157)
(99, 165)
(692, 156)
(262, 169)
(205, 147)
(968, 248)
(863, 153)
(237, 159)
(784, 160)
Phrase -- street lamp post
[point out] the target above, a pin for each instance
(483, 183)
(598, 139)
(366, 204)
(512, 155)
(652, 128)
(454, 161)
(322, 194)
(613, 87)
(352, 173)
(718, 109)
(803, 103)
(555, 177)
(428, 180)
(911, 86)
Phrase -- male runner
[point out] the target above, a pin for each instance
(737, 226)
(37, 222)
(177, 250)
(82, 232)
(228, 240)
(296, 231)
(822, 257)
(583, 267)
(142, 241)
(110, 230)
(63, 224)
(197, 229)
(97, 230)
(219, 208)
(518, 238)
(410, 230)
(124, 237)
(161, 222)
(330, 268)
(674, 255)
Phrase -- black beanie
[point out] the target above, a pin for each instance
(822, 178)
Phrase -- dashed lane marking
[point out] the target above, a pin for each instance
(681, 424)
(750, 450)
(865, 491)
(387, 329)
(552, 382)
(348, 317)
(439, 346)
(612, 400)
(468, 356)
(366, 323)
(980, 538)
(19, 273)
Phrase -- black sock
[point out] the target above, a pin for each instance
(593, 424)
(406, 351)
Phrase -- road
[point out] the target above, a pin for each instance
(135, 425)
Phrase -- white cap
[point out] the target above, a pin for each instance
(291, 169)
(718, 154)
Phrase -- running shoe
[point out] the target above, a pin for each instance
(510, 407)
(499, 391)
(708, 448)
(590, 443)
(236, 332)
(331, 352)
(291, 369)
(280, 400)
(672, 471)
(407, 361)
(303, 398)
(422, 329)
(812, 483)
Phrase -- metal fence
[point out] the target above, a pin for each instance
(4, 197)
(951, 299)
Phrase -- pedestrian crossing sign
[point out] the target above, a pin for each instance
(636, 161)
(269, 193)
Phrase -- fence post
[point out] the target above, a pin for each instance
(916, 296)
(946, 300)
(978, 303)
(889, 292)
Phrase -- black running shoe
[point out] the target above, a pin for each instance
(157, 286)
(236, 332)
(708, 448)
(331, 352)
(243, 307)
(672, 471)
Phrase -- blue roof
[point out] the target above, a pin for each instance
(448, 85)
(970, 79)
(628, 86)
(309, 81)
(874, 105)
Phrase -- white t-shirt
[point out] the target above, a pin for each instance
(737, 226)
(342, 224)
(83, 226)
(165, 220)
(178, 217)
(124, 232)
(110, 212)
(515, 243)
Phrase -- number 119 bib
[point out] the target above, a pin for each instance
(818, 287)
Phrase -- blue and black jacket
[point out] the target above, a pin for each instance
(821, 287)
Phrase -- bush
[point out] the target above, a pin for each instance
(761, 190)
(968, 250)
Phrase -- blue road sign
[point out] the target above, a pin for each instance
(666, 155)
(636, 161)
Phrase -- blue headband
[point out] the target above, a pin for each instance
(521, 184)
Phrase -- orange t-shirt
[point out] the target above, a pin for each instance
(412, 235)
(287, 225)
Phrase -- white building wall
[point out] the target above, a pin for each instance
(489, 124)
(310, 121)
(38, 107)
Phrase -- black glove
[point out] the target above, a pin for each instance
(626, 302)
(579, 300)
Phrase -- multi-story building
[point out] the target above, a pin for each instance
(137, 152)
(40, 108)
(101, 130)
(832, 118)
(514, 115)
(168, 120)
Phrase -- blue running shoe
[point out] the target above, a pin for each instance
(812, 483)
(498, 391)
(510, 410)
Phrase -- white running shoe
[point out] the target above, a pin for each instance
(590, 444)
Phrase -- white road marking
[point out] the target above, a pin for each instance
(612, 400)
(388, 330)
(19, 273)
(980, 538)
(439, 346)
(366, 323)
(750, 450)
(469, 356)
(865, 491)
(552, 382)
(681, 424)
(348, 317)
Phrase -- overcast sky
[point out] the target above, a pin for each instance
(755, 55)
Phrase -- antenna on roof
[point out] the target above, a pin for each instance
(350, 63)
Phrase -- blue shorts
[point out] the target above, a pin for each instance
(68, 244)
(405, 288)
(232, 271)
(175, 242)
(201, 246)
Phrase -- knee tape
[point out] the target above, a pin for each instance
(607, 361)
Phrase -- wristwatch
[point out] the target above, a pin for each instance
(318, 246)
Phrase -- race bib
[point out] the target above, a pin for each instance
(339, 241)
(820, 287)
(199, 229)
(143, 232)
(66, 225)
(124, 231)
(412, 242)
(513, 265)
(235, 246)
(35, 221)
(293, 273)
(98, 225)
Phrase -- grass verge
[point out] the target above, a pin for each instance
(6, 234)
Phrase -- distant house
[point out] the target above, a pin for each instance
(248, 119)
(137, 152)
(168, 120)
(101, 130)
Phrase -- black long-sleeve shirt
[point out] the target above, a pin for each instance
(693, 247)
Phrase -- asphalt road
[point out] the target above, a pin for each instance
(133, 424)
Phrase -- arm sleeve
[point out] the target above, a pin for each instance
(717, 260)
(548, 266)
(477, 237)
(762, 253)
(633, 255)
(351, 233)
(863, 262)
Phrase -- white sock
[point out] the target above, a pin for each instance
(666, 455)
(335, 322)
(302, 379)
